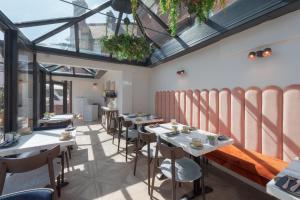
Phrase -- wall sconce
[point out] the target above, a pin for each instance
(260, 54)
(180, 73)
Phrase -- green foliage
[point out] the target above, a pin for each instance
(200, 8)
(126, 47)
(134, 5)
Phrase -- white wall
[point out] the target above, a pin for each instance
(225, 64)
(134, 84)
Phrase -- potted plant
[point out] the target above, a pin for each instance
(212, 140)
(127, 47)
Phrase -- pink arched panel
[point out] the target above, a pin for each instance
(172, 105)
(224, 111)
(253, 119)
(182, 107)
(238, 116)
(272, 100)
(163, 103)
(204, 110)
(291, 122)
(213, 111)
(156, 103)
(168, 106)
(159, 104)
(188, 107)
(177, 106)
(196, 109)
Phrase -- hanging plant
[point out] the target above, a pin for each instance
(200, 8)
(126, 47)
(134, 5)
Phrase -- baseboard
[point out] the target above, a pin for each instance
(241, 178)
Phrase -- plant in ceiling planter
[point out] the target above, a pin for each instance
(126, 47)
(200, 8)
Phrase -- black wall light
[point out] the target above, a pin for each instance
(180, 73)
(260, 54)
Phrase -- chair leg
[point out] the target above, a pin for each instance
(69, 151)
(58, 187)
(136, 158)
(153, 178)
(62, 168)
(119, 135)
(126, 138)
(67, 159)
(148, 175)
(173, 189)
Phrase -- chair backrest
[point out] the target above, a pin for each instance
(127, 123)
(172, 153)
(34, 194)
(21, 165)
(146, 136)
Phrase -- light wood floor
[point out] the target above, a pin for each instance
(98, 172)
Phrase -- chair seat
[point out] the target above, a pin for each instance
(186, 170)
(144, 150)
(34, 194)
(37, 178)
(132, 134)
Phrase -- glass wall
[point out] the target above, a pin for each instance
(25, 88)
(1, 83)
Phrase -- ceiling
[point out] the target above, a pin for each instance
(74, 27)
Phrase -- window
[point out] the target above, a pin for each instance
(1, 83)
(25, 88)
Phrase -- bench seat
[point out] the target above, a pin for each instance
(250, 164)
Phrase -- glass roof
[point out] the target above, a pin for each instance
(67, 24)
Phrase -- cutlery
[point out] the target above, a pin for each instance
(295, 187)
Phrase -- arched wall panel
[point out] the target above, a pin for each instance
(172, 105)
(159, 105)
(213, 111)
(204, 110)
(177, 106)
(182, 118)
(196, 109)
(238, 116)
(168, 106)
(272, 101)
(291, 122)
(188, 107)
(156, 103)
(163, 103)
(224, 111)
(253, 119)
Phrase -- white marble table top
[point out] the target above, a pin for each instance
(151, 119)
(57, 118)
(183, 140)
(105, 108)
(38, 140)
(293, 170)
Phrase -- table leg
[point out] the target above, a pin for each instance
(63, 182)
(197, 184)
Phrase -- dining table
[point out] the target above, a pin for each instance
(142, 119)
(57, 119)
(184, 141)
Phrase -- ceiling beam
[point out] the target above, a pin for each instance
(162, 24)
(71, 23)
(44, 22)
(56, 68)
(76, 30)
(119, 23)
(88, 71)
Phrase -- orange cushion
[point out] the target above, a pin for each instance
(244, 161)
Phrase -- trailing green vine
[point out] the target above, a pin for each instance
(126, 47)
(134, 5)
(200, 8)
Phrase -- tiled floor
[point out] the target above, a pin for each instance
(98, 172)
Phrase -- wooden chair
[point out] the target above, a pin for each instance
(176, 167)
(129, 135)
(118, 129)
(18, 174)
(148, 150)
